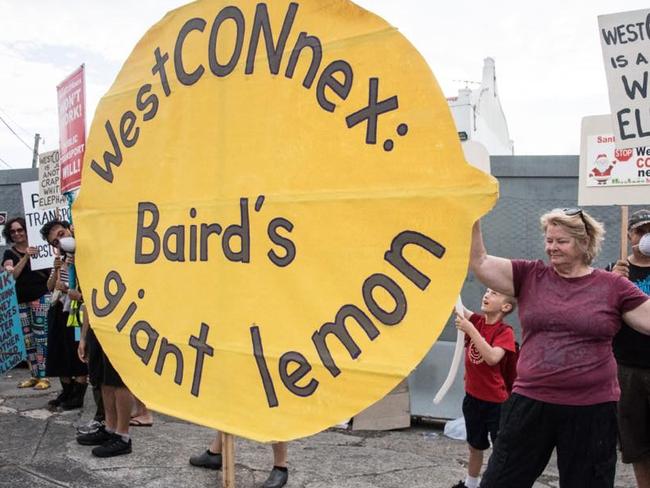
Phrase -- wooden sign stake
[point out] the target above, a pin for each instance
(228, 451)
(624, 217)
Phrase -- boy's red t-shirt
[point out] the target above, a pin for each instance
(483, 381)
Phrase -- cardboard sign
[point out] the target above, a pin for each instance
(49, 185)
(610, 176)
(12, 343)
(71, 94)
(35, 218)
(625, 40)
(275, 215)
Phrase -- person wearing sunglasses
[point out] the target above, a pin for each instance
(33, 299)
(565, 394)
(632, 352)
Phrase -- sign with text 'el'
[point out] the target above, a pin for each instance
(625, 40)
(275, 215)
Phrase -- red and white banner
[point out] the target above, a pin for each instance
(72, 128)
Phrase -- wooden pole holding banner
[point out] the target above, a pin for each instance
(228, 453)
(624, 218)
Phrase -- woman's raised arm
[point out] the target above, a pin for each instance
(492, 271)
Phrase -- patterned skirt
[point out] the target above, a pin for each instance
(33, 319)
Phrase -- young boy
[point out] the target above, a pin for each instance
(487, 338)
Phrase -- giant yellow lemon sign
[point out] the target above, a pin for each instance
(275, 215)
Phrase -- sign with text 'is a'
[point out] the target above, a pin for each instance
(71, 94)
(275, 215)
(625, 40)
(49, 185)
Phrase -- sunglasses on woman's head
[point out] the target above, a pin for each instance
(572, 212)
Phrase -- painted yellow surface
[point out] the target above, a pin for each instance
(245, 180)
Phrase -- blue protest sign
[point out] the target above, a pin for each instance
(12, 345)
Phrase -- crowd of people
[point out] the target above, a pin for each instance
(60, 342)
(582, 372)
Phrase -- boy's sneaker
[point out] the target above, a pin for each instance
(96, 438)
(115, 446)
(207, 460)
(460, 484)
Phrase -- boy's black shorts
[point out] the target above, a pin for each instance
(481, 420)
(100, 369)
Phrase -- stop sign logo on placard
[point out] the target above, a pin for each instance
(275, 215)
(623, 154)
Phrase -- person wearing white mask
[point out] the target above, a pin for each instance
(112, 438)
(632, 352)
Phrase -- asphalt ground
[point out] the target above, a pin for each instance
(38, 449)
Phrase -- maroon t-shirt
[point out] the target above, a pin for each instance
(567, 329)
(483, 381)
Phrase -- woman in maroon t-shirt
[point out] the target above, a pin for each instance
(566, 390)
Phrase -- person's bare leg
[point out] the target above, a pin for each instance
(110, 409)
(475, 462)
(140, 414)
(279, 475)
(123, 406)
(210, 459)
(280, 454)
(642, 473)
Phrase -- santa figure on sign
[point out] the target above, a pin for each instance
(602, 170)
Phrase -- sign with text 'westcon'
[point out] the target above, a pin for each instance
(289, 211)
(625, 40)
(35, 218)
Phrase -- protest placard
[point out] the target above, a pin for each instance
(625, 41)
(610, 176)
(71, 95)
(285, 215)
(49, 185)
(12, 343)
(35, 218)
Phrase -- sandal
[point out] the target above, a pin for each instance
(28, 383)
(42, 384)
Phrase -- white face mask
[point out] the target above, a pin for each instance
(644, 245)
(67, 244)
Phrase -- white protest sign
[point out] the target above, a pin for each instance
(610, 176)
(35, 217)
(49, 186)
(625, 40)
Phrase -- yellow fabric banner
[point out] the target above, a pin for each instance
(274, 216)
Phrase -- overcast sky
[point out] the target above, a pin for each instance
(548, 59)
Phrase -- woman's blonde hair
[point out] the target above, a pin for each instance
(587, 231)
